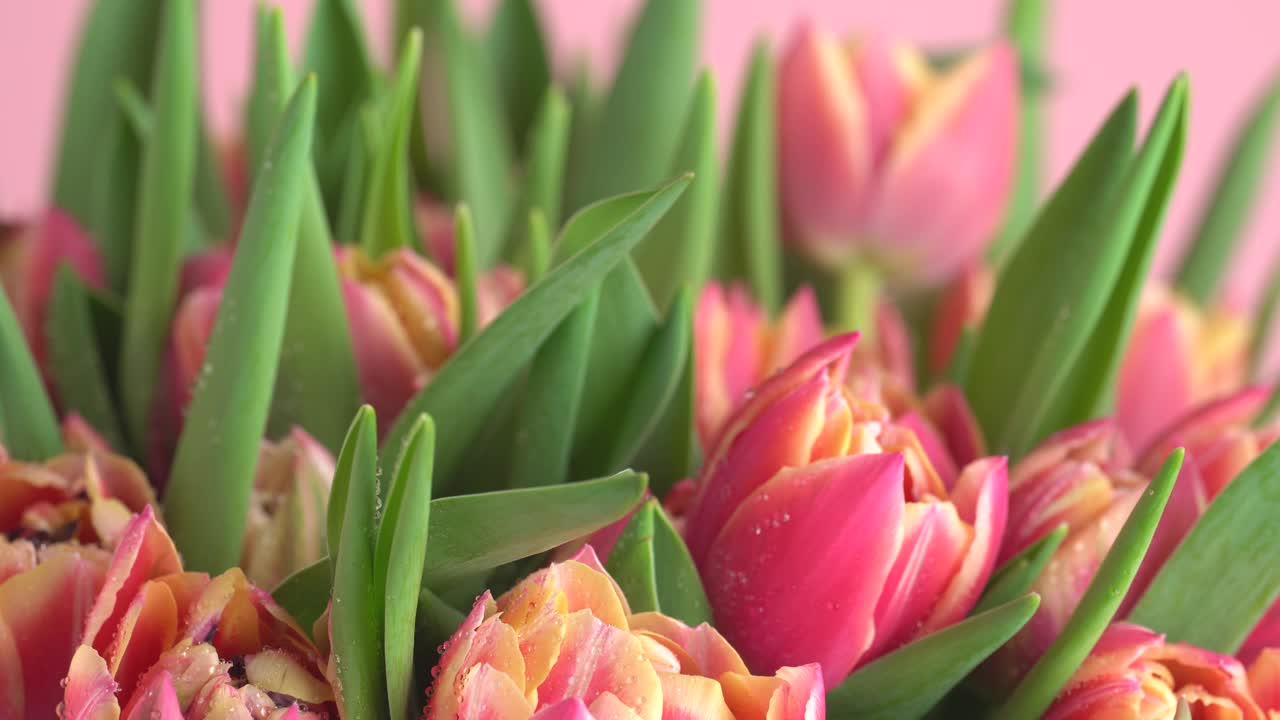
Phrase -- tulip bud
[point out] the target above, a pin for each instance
(884, 160)
(1179, 356)
(161, 643)
(961, 308)
(564, 644)
(285, 531)
(804, 464)
(1133, 673)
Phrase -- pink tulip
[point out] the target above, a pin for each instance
(1264, 681)
(823, 532)
(1178, 357)
(885, 160)
(961, 308)
(1133, 674)
(564, 645)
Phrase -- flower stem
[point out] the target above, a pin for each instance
(857, 295)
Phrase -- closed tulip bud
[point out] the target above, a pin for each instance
(563, 644)
(285, 531)
(804, 464)
(884, 160)
(162, 643)
(1179, 356)
(1132, 673)
(961, 308)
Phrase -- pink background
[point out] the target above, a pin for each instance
(1099, 47)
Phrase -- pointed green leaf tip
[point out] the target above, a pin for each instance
(388, 221)
(28, 425)
(225, 421)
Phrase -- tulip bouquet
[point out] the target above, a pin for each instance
(862, 422)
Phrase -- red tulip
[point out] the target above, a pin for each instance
(885, 160)
(804, 467)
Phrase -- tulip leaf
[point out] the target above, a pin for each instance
(518, 54)
(1226, 553)
(305, 594)
(28, 424)
(1227, 210)
(550, 403)
(679, 253)
(225, 420)
(337, 510)
(469, 386)
(680, 591)
(357, 618)
(538, 255)
(1052, 292)
(631, 562)
(639, 126)
(388, 222)
(464, 238)
(1263, 322)
(750, 242)
(76, 360)
(907, 683)
(367, 137)
(1017, 576)
(458, 75)
(116, 198)
(211, 202)
(1025, 23)
(1184, 710)
(335, 51)
(1089, 389)
(272, 83)
(164, 209)
(672, 453)
(544, 166)
(401, 554)
(118, 41)
(1099, 604)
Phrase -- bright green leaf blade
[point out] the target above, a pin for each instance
(75, 358)
(750, 244)
(1184, 710)
(550, 403)
(544, 166)
(908, 682)
(164, 209)
(364, 146)
(1052, 292)
(1227, 209)
(1089, 389)
(518, 54)
(538, 255)
(118, 41)
(305, 594)
(465, 272)
(357, 614)
(1220, 581)
(364, 419)
(679, 253)
(680, 591)
(631, 562)
(28, 424)
(388, 222)
(404, 534)
(115, 198)
(473, 380)
(272, 83)
(227, 415)
(639, 126)
(1100, 602)
(211, 203)
(1016, 576)
(672, 452)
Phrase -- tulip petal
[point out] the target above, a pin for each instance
(90, 690)
(148, 628)
(703, 646)
(567, 709)
(1155, 382)
(803, 695)
(145, 552)
(596, 658)
(157, 701)
(839, 523)
(490, 694)
(728, 330)
(385, 359)
(1264, 679)
(692, 697)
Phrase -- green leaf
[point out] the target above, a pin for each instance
(336, 52)
(469, 141)
(212, 205)
(1025, 24)
(364, 147)
(544, 165)
(401, 555)
(750, 243)
(357, 614)
(118, 41)
(680, 591)
(518, 55)
(1052, 292)
(1227, 554)
(550, 402)
(464, 238)
(1016, 576)
(305, 594)
(537, 256)
(1096, 609)
(364, 419)
(1184, 710)
(388, 222)
(75, 356)
(639, 126)
(473, 380)
(1263, 322)
(631, 562)
(679, 253)
(224, 423)
(907, 683)
(115, 199)
(272, 83)
(28, 424)
(1089, 390)
(1227, 209)
(164, 209)
(671, 453)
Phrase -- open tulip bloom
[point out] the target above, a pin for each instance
(458, 388)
